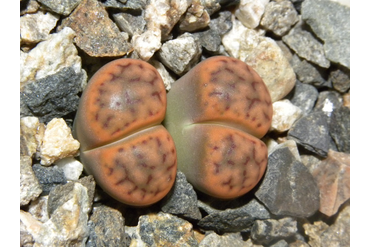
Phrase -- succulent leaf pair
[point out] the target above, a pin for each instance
(213, 116)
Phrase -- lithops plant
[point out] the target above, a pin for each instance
(123, 144)
(216, 114)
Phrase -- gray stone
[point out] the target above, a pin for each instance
(227, 239)
(29, 7)
(331, 238)
(164, 230)
(182, 200)
(330, 21)
(312, 133)
(235, 220)
(62, 193)
(328, 101)
(308, 73)
(210, 40)
(340, 80)
(288, 188)
(306, 46)
(38, 208)
(279, 17)
(107, 228)
(267, 231)
(304, 96)
(340, 128)
(30, 188)
(134, 5)
(180, 54)
(53, 96)
(131, 24)
(280, 243)
(221, 22)
(49, 177)
(62, 7)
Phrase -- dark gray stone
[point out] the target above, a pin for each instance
(328, 101)
(304, 96)
(62, 7)
(308, 73)
(330, 21)
(340, 128)
(182, 200)
(268, 231)
(62, 193)
(306, 46)
(221, 23)
(288, 188)
(340, 80)
(280, 243)
(53, 96)
(131, 24)
(134, 5)
(210, 40)
(107, 228)
(49, 177)
(312, 133)
(234, 220)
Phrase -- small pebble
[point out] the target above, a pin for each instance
(340, 80)
(250, 12)
(49, 177)
(340, 128)
(328, 101)
(195, 18)
(62, 7)
(30, 188)
(71, 167)
(304, 96)
(284, 115)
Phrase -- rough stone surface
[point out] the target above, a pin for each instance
(222, 22)
(234, 220)
(333, 178)
(124, 5)
(180, 54)
(250, 12)
(279, 17)
(182, 200)
(264, 56)
(288, 188)
(340, 80)
(103, 39)
(167, 78)
(63, 193)
(36, 27)
(291, 145)
(195, 18)
(29, 127)
(340, 128)
(336, 235)
(147, 43)
(49, 177)
(62, 7)
(304, 96)
(29, 7)
(328, 101)
(53, 96)
(30, 188)
(306, 46)
(131, 24)
(284, 115)
(107, 228)
(210, 40)
(228, 239)
(71, 167)
(38, 209)
(67, 225)
(307, 72)
(312, 133)
(266, 231)
(49, 57)
(162, 230)
(58, 142)
(331, 22)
